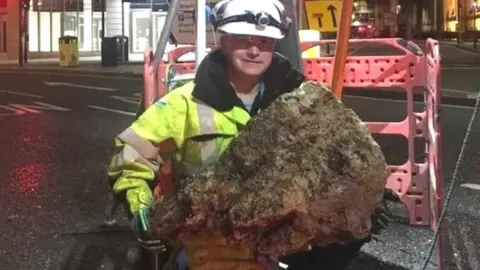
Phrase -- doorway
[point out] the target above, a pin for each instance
(141, 32)
(158, 22)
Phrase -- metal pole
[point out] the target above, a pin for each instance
(21, 32)
(78, 22)
(201, 44)
(102, 34)
(300, 14)
(459, 22)
(289, 46)
(162, 42)
(123, 33)
(475, 24)
(165, 35)
(475, 31)
(151, 32)
(341, 49)
(26, 37)
(435, 17)
(464, 18)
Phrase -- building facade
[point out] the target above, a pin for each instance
(142, 22)
(460, 14)
(47, 20)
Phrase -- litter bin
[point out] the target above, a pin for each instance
(109, 52)
(68, 47)
(122, 48)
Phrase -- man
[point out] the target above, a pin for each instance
(231, 85)
(199, 119)
(195, 123)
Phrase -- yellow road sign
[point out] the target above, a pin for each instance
(323, 15)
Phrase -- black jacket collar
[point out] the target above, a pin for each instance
(213, 88)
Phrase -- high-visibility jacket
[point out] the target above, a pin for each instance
(198, 120)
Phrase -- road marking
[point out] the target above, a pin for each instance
(463, 50)
(111, 110)
(20, 94)
(454, 90)
(39, 107)
(19, 109)
(132, 100)
(469, 94)
(115, 76)
(80, 86)
(12, 111)
(471, 186)
(460, 68)
(403, 101)
(472, 96)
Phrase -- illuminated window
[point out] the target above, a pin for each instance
(45, 31)
(33, 31)
(51, 19)
(48, 20)
(56, 29)
(141, 30)
(96, 31)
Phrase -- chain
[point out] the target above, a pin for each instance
(452, 184)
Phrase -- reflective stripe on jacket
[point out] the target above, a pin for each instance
(179, 126)
(182, 126)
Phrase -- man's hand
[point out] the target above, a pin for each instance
(381, 218)
(140, 225)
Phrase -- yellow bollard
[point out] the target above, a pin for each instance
(68, 49)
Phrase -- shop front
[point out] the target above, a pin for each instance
(461, 15)
(145, 23)
(139, 20)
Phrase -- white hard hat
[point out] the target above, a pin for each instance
(264, 18)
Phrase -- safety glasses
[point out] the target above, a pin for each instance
(244, 41)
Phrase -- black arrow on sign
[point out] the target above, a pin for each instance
(319, 17)
(332, 10)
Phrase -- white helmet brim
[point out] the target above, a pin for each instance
(244, 28)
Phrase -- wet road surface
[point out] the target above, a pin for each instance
(57, 140)
(53, 165)
(407, 246)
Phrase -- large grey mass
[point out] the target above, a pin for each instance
(305, 170)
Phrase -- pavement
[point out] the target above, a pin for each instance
(459, 66)
(57, 131)
(459, 62)
(465, 45)
(128, 69)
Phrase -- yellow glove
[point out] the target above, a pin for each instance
(133, 178)
(139, 197)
